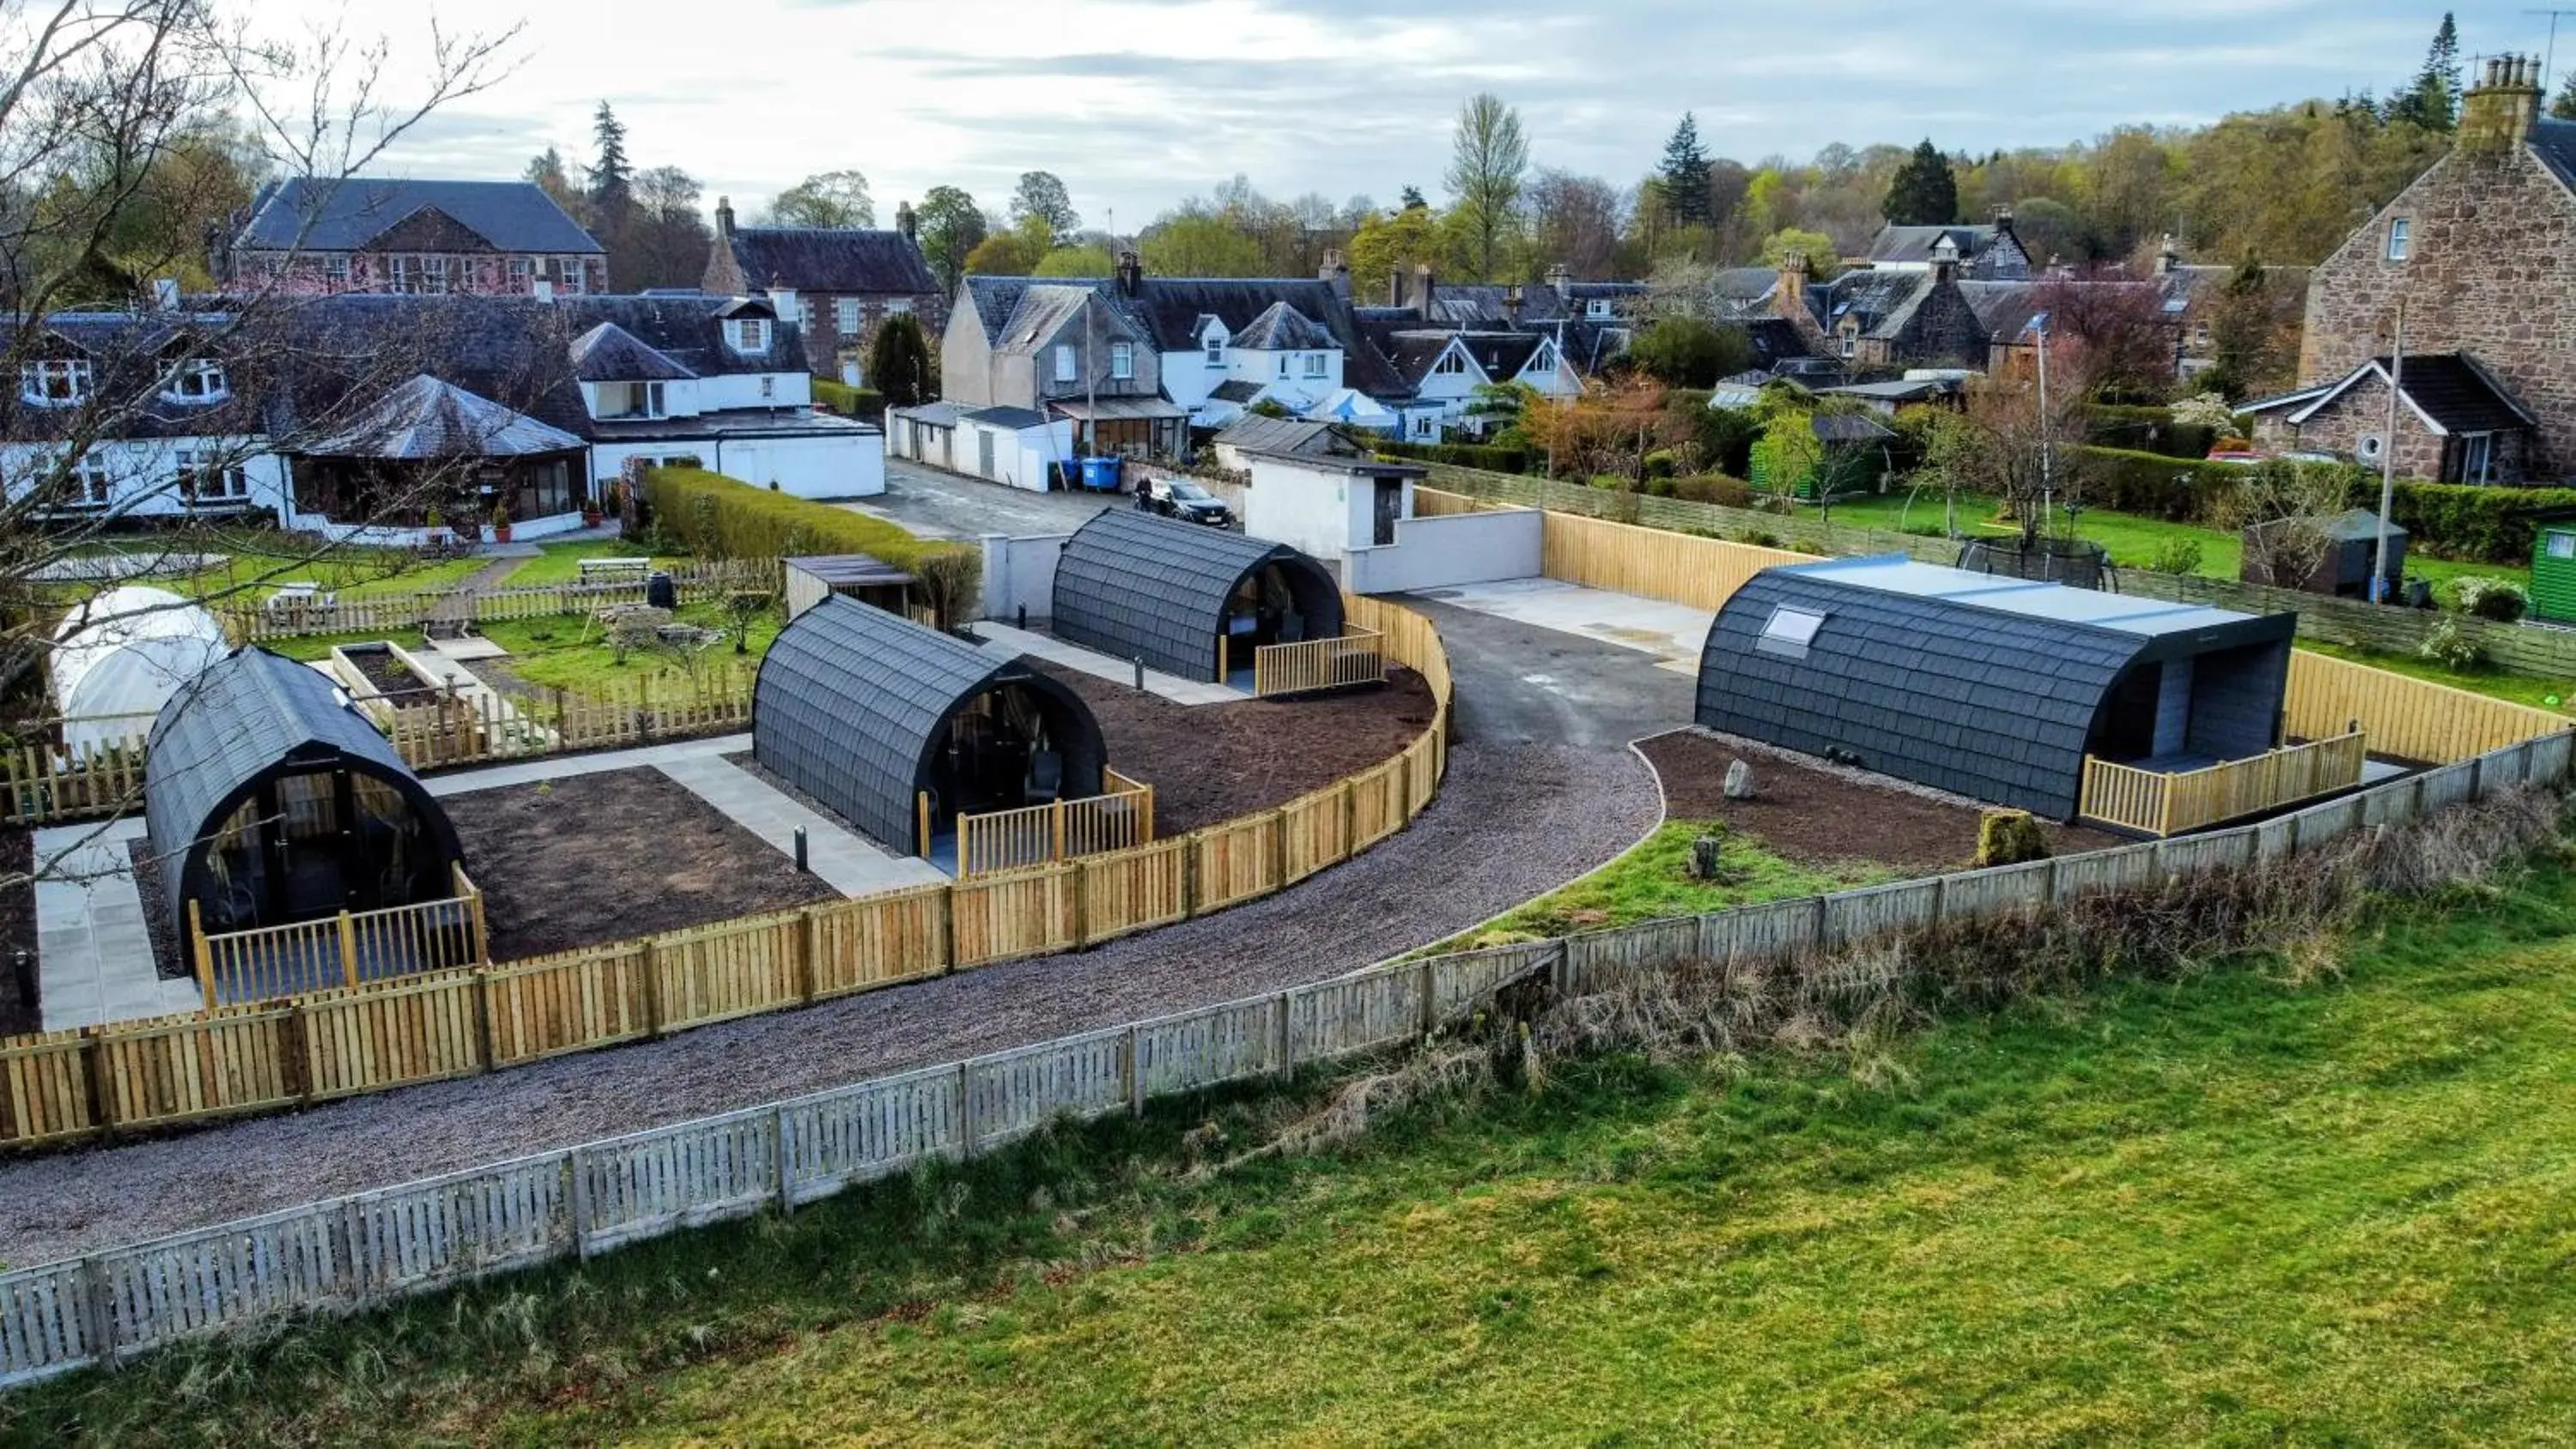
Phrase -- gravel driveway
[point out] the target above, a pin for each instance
(1514, 819)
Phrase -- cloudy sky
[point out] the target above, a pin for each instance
(1137, 102)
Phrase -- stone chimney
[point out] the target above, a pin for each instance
(1333, 265)
(1131, 274)
(724, 218)
(2499, 111)
(1423, 289)
(1789, 294)
(1513, 301)
(2004, 221)
(1561, 279)
(906, 223)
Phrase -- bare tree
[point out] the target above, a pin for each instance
(2284, 510)
(2002, 443)
(129, 402)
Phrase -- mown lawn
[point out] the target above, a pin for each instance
(2539, 691)
(572, 653)
(2131, 539)
(2238, 1209)
(1653, 880)
(561, 562)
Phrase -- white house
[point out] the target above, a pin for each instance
(1445, 369)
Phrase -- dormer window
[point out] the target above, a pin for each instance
(54, 384)
(1598, 309)
(2401, 238)
(631, 400)
(1216, 349)
(750, 334)
(1452, 363)
(199, 380)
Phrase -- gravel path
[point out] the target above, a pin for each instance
(1513, 820)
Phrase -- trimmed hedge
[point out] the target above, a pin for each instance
(2147, 430)
(2149, 484)
(1463, 455)
(741, 521)
(850, 402)
(2463, 521)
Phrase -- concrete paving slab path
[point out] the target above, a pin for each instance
(1003, 639)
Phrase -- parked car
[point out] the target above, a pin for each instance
(1182, 499)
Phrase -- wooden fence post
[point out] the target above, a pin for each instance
(487, 1025)
(98, 1311)
(580, 1205)
(784, 1150)
(652, 990)
(809, 933)
(965, 1109)
(921, 804)
(203, 955)
(94, 1074)
(1287, 1046)
(296, 1047)
(1135, 1072)
(1055, 826)
(348, 950)
(1430, 1014)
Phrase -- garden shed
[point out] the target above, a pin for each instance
(1989, 687)
(895, 726)
(2329, 555)
(864, 577)
(268, 800)
(1186, 598)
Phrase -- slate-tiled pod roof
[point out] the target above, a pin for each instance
(1133, 584)
(852, 701)
(426, 418)
(251, 715)
(1983, 686)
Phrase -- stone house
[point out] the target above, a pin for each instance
(418, 238)
(1063, 348)
(2481, 250)
(2455, 422)
(838, 284)
(1984, 253)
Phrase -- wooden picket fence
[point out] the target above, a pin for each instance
(1119, 817)
(256, 623)
(43, 785)
(1317, 664)
(2159, 803)
(386, 1244)
(378, 1034)
(237, 967)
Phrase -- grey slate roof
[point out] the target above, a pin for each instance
(2554, 142)
(852, 704)
(610, 353)
(1236, 390)
(2448, 387)
(1006, 417)
(1167, 312)
(1131, 584)
(1282, 328)
(1297, 436)
(425, 419)
(514, 216)
(1984, 687)
(252, 714)
(831, 260)
(1880, 302)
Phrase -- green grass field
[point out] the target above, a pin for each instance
(561, 562)
(2131, 540)
(2235, 1209)
(1653, 880)
(2539, 691)
(570, 652)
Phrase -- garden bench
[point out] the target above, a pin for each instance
(603, 571)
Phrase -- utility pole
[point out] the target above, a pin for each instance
(2047, 457)
(2388, 461)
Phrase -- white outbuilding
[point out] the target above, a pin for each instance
(119, 657)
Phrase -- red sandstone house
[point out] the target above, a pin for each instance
(839, 284)
(416, 238)
(2481, 250)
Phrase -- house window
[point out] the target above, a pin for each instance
(1426, 425)
(523, 275)
(845, 316)
(433, 276)
(2477, 458)
(403, 274)
(1283, 364)
(2562, 545)
(204, 477)
(1064, 362)
(86, 483)
(199, 380)
(572, 276)
(1122, 360)
(1216, 349)
(1850, 341)
(335, 274)
(1789, 632)
(899, 307)
(805, 314)
(768, 387)
(751, 334)
(2401, 238)
(54, 384)
(1314, 364)
(2371, 446)
(1598, 309)
(1451, 364)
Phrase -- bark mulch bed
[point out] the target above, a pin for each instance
(1820, 816)
(1213, 762)
(18, 1010)
(590, 859)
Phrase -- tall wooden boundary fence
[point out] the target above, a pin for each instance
(380, 1246)
(2349, 622)
(70, 1085)
(253, 623)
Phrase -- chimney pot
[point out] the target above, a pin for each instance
(724, 216)
(906, 223)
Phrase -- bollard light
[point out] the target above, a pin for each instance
(1024, 616)
(1140, 671)
(800, 848)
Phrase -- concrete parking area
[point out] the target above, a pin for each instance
(1672, 633)
(934, 504)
